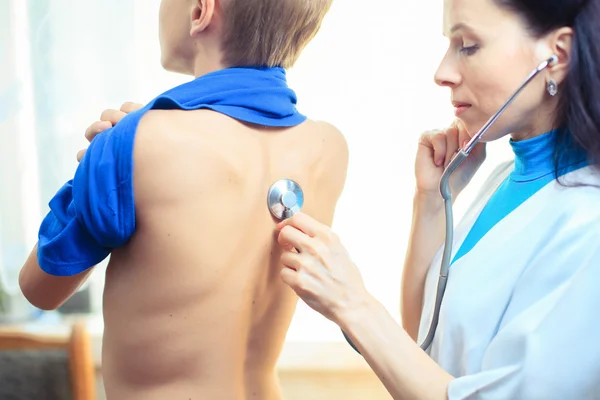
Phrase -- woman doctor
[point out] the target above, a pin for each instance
(519, 317)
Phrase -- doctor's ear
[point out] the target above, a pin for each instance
(560, 43)
(202, 15)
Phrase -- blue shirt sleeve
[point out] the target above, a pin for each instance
(94, 212)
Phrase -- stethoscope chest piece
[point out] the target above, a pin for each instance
(285, 199)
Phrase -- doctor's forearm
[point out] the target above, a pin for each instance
(405, 370)
(427, 235)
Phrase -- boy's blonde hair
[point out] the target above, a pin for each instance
(269, 33)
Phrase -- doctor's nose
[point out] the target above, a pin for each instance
(447, 74)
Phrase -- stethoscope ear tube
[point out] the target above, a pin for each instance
(446, 195)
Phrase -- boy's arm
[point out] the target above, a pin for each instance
(45, 291)
(68, 250)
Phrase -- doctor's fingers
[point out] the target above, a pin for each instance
(463, 135)
(292, 238)
(303, 274)
(297, 261)
(311, 227)
(306, 224)
(299, 282)
(439, 146)
(290, 277)
(452, 144)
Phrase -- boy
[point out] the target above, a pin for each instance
(194, 306)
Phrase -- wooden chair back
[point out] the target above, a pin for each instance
(78, 348)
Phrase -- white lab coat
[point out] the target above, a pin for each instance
(520, 316)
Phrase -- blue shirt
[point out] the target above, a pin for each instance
(95, 212)
(534, 168)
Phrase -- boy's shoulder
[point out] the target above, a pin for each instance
(159, 128)
(332, 138)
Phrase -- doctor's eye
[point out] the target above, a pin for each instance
(469, 51)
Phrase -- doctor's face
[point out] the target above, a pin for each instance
(490, 54)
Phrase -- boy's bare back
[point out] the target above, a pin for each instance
(194, 306)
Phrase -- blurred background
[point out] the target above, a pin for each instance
(369, 71)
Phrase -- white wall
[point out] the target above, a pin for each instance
(369, 71)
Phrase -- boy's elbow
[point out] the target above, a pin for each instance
(36, 287)
(34, 294)
(39, 300)
(42, 304)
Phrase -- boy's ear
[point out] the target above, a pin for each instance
(202, 15)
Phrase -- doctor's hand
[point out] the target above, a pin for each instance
(108, 119)
(321, 272)
(436, 149)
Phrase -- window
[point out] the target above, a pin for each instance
(370, 72)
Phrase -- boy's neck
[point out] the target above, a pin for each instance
(205, 68)
(207, 61)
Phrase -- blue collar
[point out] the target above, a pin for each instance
(255, 95)
(537, 157)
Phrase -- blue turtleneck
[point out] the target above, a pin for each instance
(534, 168)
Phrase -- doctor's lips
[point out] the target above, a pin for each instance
(460, 107)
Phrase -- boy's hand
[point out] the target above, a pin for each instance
(108, 119)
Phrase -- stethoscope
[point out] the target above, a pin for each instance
(285, 198)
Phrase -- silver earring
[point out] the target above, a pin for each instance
(552, 87)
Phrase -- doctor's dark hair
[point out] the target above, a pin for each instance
(578, 109)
